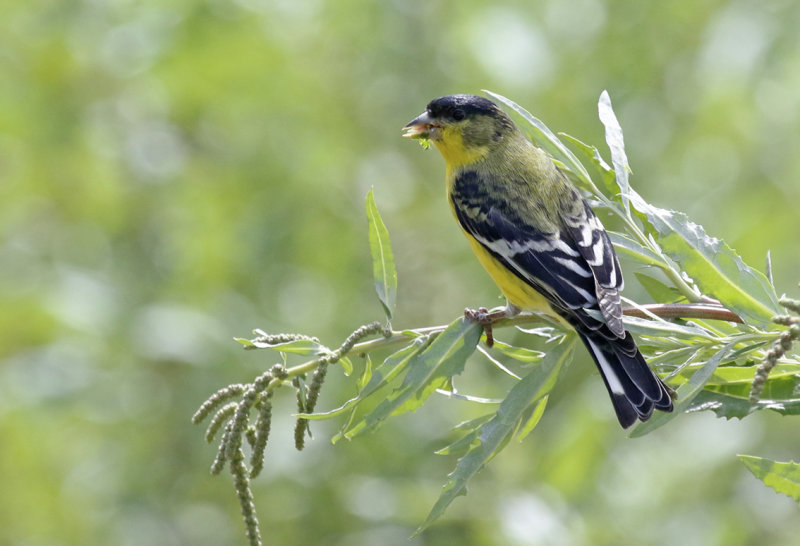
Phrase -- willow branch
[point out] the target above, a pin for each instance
(707, 311)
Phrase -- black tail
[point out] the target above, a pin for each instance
(635, 390)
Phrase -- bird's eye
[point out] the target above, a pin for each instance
(458, 114)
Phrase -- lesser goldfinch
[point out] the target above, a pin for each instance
(539, 240)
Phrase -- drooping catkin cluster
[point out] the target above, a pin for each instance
(261, 429)
(233, 417)
(241, 482)
(236, 418)
(779, 347)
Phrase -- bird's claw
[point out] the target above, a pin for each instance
(482, 316)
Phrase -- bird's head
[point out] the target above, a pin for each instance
(464, 128)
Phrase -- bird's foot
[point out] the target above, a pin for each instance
(486, 318)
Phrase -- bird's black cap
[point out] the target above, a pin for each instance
(461, 106)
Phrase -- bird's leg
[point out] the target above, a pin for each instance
(486, 318)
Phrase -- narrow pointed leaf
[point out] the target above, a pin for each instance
(496, 363)
(496, 433)
(625, 245)
(723, 405)
(521, 354)
(768, 269)
(393, 366)
(467, 397)
(246, 342)
(365, 378)
(533, 420)
(604, 172)
(427, 371)
(686, 394)
(383, 269)
(782, 477)
(298, 346)
(741, 375)
(347, 365)
(662, 328)
(378, 378)
(730, 407)
(470, 431)
(659, 291)
(616, 144)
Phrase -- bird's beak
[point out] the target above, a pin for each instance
(419, 127)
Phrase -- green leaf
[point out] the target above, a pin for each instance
(380, 377)
(729, 406)
(742, 375)
(496, 363)
(712, 264)
(686, 394)
(777, 391)
(662, 328)
(297, 346)
(626, 245)
(450, 393)
(548, 333)
(749, 348)
(591, 153)
(475, 423)
(462, 445)
(393, 366)
(680, 357)
(347, 365)
(365, 378)
(660, 292)
(485, 442)
(521, 354)
(723, 405)
(383, 269)
(427, 371)
(768, 269)
(782, 477)
(533, 420)
(616, 144)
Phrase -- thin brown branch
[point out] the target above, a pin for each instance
(707, 311)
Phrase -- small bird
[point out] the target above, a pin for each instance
(539, 241)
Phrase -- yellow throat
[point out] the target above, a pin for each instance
(451, 145)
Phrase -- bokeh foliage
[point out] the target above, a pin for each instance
(173, 173)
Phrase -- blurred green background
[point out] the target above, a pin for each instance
(177, 173)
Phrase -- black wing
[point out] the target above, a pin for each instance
(594, 245)
(573, 266)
